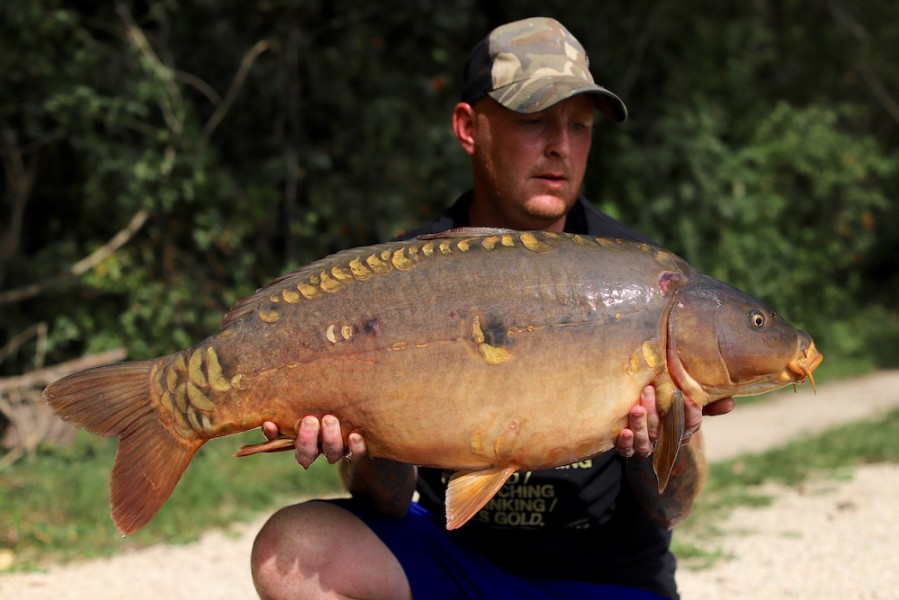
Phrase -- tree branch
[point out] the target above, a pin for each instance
(641, 46)
(31, 421)
(19, 182)
(82, 266)
(38, 330)
(199, 85)
(172, 108)
(44, 377)
(236, 85)
(875, 84)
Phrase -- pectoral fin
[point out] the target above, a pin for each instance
(469, 491)
(279, 444)
(670, 404)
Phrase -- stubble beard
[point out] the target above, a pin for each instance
(515, 204)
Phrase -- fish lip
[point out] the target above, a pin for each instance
(805, 362)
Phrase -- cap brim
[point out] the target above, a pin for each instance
(610, 105)
(527, 99)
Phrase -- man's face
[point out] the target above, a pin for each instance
(528, 169)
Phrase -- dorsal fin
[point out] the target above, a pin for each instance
(464, 232)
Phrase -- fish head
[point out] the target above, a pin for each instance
(723, 342)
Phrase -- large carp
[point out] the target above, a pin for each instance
(483, 351)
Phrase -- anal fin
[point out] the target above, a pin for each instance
(670, 403)
(469, 491)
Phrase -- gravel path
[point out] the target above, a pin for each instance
(826, 540)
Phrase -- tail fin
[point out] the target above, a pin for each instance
(115, 401)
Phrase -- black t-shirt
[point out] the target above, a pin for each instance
(580, 521)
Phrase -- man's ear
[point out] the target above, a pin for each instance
(464, 125)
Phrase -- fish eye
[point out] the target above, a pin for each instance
(757, 318)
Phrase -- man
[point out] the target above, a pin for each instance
(595, 529)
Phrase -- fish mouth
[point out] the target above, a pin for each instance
(806, 361)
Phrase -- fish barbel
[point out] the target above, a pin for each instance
(482, 351)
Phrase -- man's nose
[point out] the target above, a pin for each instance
(558, 143)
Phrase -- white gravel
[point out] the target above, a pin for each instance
(829, 539)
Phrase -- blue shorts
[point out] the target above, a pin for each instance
(439, 566)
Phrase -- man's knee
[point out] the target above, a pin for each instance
(318, 545)
(287, 547)
(279, 530)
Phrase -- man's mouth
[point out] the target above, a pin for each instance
(552, 177)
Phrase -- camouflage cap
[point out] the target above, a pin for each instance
(532, 64)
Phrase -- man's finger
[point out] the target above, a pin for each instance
(624, 444)
(355, 447)
(270, 430)
(719, 407)
(638, 419)
(307, 445)
(332, 439)
(648, 401)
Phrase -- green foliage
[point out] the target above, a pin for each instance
(791, 214)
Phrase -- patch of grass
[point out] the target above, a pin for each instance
(741, 482)
(696, 555)
(55, 506)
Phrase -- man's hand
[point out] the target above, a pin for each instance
(642, 431)
(387, 486)
(323, 436)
